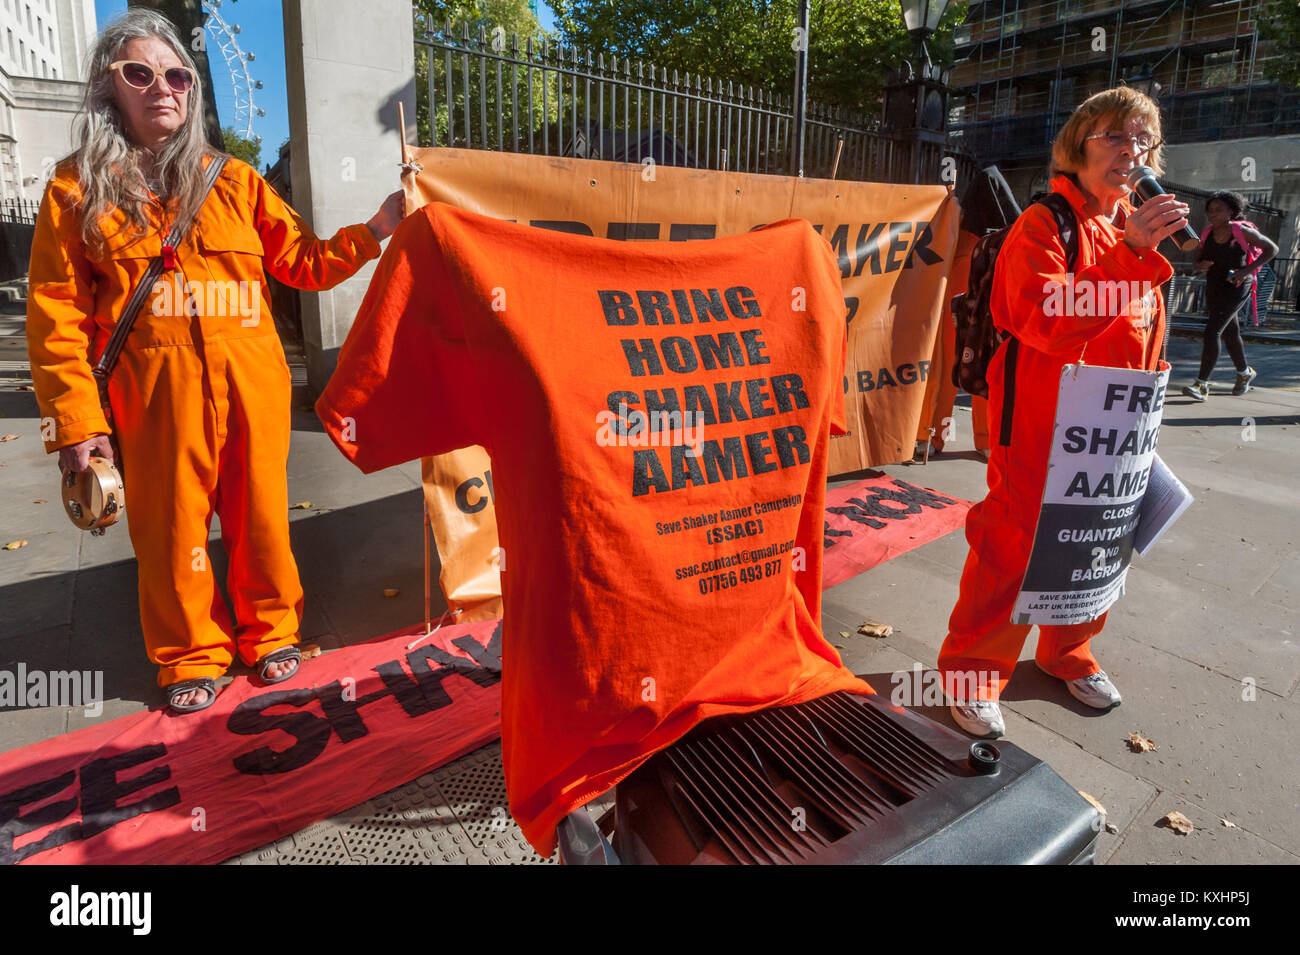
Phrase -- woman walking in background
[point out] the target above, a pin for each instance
(1225, 258)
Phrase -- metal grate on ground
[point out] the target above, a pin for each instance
(455, 815)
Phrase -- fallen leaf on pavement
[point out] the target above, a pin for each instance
(1177, 822)
(14, 545)
(41, 501)
(873, 628)
(300, 506)
(390, 591)
(1230, 825)
(8, 437)
(844, 633)
(1112, 828)
(1100, 808)
(309, 650)
(1139, 743)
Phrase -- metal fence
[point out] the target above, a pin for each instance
(1276, 293)
(483, 89)
(1270, 219)
(1284, 298)
(19, 210)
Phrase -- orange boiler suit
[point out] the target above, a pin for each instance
(1000, 529)
(200, 400)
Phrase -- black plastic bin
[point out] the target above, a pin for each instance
(843, 779)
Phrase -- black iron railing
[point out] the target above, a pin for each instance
(1278, 286)
(19, 210)
(482, 89)
(1269, 219)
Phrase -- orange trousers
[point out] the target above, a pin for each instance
(979, 422)
(201, 429)
(983, 645)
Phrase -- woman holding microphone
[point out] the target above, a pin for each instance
(1107, 136)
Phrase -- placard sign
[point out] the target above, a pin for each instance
(1107, 425)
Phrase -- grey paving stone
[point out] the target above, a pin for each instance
(1282, 587)
(1233, 755)
(1232, 633)
(43, 650)
(1146, 841)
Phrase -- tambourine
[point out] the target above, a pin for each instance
(95, 497)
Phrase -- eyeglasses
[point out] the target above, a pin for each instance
(1144, 142)
(141, 75)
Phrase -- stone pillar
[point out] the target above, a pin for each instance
(347, 66)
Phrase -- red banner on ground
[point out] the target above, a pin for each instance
(261, 762)
(872, 521)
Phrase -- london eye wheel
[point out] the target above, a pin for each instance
(223, 35)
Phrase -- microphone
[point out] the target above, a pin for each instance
(1143, 181)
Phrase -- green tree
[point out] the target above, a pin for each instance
(250, 151)
(852, 44)
(515, 20)
(1280, 23)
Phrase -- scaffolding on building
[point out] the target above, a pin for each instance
(1024, 65)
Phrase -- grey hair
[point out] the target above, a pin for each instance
(108, 163)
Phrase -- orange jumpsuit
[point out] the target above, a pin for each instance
(200, 400)
(1000, 529)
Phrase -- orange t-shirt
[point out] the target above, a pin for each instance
(657, 570)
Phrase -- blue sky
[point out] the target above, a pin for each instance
(262, 34)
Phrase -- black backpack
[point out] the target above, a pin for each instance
(978, 339)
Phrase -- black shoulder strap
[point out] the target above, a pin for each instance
(1068, 225)
(113, 350)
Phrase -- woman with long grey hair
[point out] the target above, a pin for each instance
(199, 398)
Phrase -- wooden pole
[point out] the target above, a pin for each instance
(424, 509)
(401, 127)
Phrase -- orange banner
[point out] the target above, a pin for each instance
(463, 517)
(895, 245)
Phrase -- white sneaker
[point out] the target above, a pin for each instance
(982, 718)
(1197, 390)
(1096, 691)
